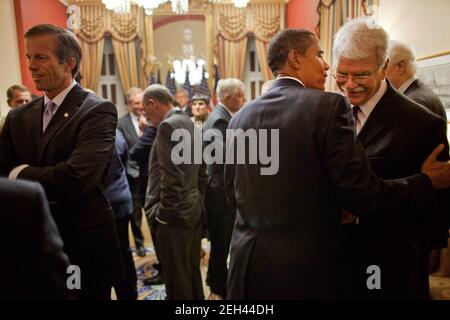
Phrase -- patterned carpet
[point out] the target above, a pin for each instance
(145, 269)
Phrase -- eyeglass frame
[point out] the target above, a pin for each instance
(364, 80)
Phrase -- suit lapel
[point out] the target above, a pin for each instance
(224, 113)
(129, 127)
(378, 119)
(35, 126)
(64, 113)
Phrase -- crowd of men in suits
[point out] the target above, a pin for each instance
(363, 178)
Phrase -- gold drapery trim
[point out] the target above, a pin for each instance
(233, 27)
(91, 64)
(132, 38)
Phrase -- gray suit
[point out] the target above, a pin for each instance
(422, 94)
(174, 196)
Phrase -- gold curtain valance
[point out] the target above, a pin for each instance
(96, 21)
(263, 20)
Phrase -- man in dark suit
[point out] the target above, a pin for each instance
(119, 195)
(40, 272)
(182, 97)
(173, 204)
(401, 73)
(140, 154)
(64, 140)
(220, 216)
(286, 242)
(130, 126)
(397, 135)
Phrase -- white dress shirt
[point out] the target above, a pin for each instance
(368, 107)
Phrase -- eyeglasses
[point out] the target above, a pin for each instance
(359, 78)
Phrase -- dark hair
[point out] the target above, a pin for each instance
(16, 87)
(67, 43)
(201, 97)
(285, 41)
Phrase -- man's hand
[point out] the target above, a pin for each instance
(438, 172)
(142, 123)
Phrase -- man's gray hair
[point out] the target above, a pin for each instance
(132, 92)
(399, 51)
(159, 93)
(358, 39)
(229, 86)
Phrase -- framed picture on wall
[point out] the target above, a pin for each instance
(434, 70)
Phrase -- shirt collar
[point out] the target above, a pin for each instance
(292, 78)
(228, 110)
(58, 100)
(133, 116)
(406, 84)
(168, 114)
(367, 108)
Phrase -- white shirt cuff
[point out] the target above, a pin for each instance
(15, 172)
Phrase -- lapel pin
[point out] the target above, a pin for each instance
(66, 115)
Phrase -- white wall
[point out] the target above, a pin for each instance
(9, 61)
(423, 24)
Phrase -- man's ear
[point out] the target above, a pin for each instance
(294, 59)
(401, 66)
(70, 64)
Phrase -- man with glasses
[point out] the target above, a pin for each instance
(397, 135)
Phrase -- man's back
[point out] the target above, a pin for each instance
(39, 273)
(292, 217)
(422, 94)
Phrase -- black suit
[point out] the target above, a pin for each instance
(40, 272)
(219, 213)
(119, 195)
(174, 197)
(397, 137)
(126, 126)
(286, 242)
(422, 94)
(69, 160)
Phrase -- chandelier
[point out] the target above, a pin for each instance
(178, 6)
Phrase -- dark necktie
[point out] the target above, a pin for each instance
(355, 110)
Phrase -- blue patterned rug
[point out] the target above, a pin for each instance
(144, 269)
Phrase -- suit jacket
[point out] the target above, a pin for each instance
(423, 95)
(125, 125)
(117, 188)
(174, 191)
(69, 160)
(286, 241)
(140, 152)
(397, 137)
(215, 194)
(40, 273)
